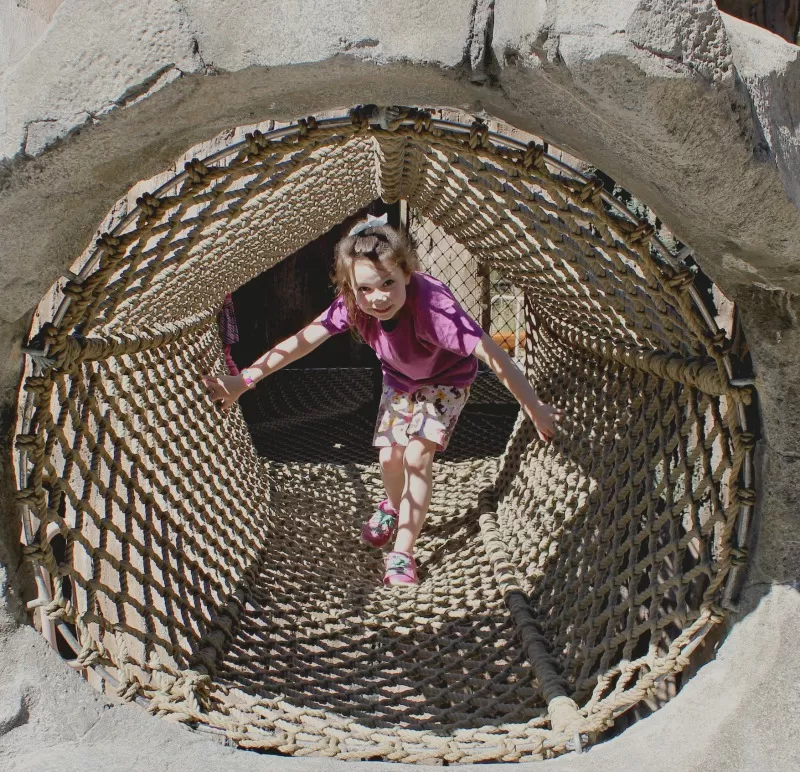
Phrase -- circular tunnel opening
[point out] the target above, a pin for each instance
(208, 566)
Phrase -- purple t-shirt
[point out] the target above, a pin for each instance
(431, 343)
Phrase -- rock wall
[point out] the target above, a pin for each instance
(696, 113)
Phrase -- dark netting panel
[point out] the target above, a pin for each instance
(212, 569)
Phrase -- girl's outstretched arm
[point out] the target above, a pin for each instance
(544, 416)
(226, 389)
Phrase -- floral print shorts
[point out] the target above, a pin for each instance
(431, 413)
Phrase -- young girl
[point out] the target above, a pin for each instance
(427, 346)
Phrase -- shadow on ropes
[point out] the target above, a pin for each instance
(317, 628)
(327, 416)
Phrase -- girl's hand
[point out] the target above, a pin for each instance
(544, 416)
(225, 389)
(544, 419)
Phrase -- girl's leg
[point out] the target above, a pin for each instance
(393, 473)
(418, 471)
(380, 528)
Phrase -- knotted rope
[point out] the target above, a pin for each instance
(212, 569)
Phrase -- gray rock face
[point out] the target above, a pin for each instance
(694, 112)
(667, 118)
(691, 34)
(243, 34)
(770, 73)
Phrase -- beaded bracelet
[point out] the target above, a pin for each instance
(248, 379)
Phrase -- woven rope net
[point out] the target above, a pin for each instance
(212, 571)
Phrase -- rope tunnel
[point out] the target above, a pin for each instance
(211, 570)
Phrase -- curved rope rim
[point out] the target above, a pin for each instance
(414, 123)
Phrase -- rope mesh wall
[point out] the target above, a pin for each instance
(215, 571)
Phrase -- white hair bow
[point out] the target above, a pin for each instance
(370, 222)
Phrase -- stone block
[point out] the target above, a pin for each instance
(87, 63)
(770, 69)
(244, 33)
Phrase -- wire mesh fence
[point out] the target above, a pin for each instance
(485, 294)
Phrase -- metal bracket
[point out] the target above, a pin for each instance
(383, 116)
(578, 743)
(38, 356)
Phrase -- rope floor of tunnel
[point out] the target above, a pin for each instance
(439, 667)
(212, 567)
(320, 629)
(319, 632)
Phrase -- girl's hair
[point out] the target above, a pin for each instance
(377, 244)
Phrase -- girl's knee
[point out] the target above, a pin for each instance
(391, 457)
(419, 453)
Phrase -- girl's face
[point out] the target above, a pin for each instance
(379, 287)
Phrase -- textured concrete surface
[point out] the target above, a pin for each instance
(234, 35)
(739, 712)
(768, 69)
(696, 113)
(23, 24)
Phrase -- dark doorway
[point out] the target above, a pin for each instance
(283, 299)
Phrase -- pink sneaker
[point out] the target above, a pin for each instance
(401, 568)
(381, 526)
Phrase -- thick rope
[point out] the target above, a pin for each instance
(560, 583)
